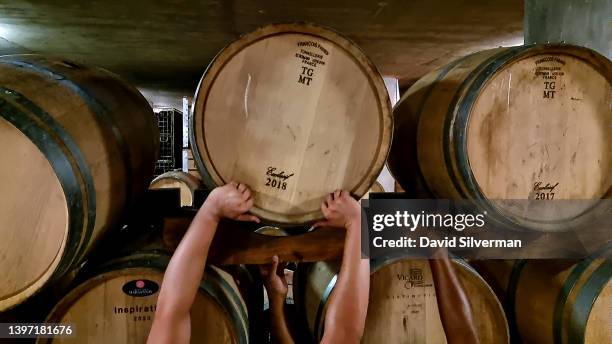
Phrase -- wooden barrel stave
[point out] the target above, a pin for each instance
(60, 148)
(315, 283)
(130, 137)
(55, 214)
(80, 132)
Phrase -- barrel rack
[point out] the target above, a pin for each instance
(234, 242)
(235, 245)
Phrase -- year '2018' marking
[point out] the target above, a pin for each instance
(276, 179)
(276, 184)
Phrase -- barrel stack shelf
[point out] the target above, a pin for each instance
(488, 126)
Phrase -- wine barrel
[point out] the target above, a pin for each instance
(117, 304)
(397, 187)
(555, 301)
(78, 146)
(521, 123)
(375, 188)
(271, 231)
(403, 306)
(191, 165)
(295, 111)
(185, 182)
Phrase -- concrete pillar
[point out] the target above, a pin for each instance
(581, 22)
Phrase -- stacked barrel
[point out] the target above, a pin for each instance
(505, 127)
(115, 301)
(555, 301)
(78, 148)
(185, 182)
(521, 123)
(312, 116)
(297, 111)
(283, 110)
(403, 305)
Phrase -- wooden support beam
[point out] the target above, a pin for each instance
(236, 244)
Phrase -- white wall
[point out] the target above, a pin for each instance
(385, 179)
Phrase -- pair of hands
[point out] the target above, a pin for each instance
(234, 200)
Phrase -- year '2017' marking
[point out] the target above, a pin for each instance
(544, 191)
(545, 195)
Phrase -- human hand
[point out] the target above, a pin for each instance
(231, 201)
(340, 210)
(274, 280)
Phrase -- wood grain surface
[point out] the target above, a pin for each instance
(295, 111)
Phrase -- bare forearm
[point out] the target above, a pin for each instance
(185, 270)
(453, 303)
(349, 301)
(279, 329)
(172, 323)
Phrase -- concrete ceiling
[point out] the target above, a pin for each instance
(167, 44)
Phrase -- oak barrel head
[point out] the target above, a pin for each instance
(404, 308)
(516, 129)
(295, 111)
(118, 307)
(540, 128)
(185, 182)
(403, 305)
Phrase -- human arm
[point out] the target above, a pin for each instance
(453, 303)
(184, 273)
(276, 285)
(348, 303)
